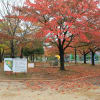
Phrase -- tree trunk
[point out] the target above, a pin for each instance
(12, 49)
(92, 58)
(75, 56)
(33, 57)
(21, 56)
(0, 58)
(1, 55)
(61, 59)
(84, 58)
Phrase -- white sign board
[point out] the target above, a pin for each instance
(8, 64)
(19, 65)
(30, 65)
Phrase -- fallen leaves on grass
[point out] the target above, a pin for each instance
(74, 78)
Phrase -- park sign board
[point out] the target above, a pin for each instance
(30, 65)
(8, 64)
(16, 65)
(20, 65)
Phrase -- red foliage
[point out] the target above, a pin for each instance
(52, 14)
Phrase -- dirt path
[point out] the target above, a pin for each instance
(77, 83)
(19, 91)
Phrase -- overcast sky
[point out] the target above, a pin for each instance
(15, 2)
(18, 2)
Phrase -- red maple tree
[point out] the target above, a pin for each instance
(61, 20)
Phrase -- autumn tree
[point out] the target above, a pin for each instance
(31, 47)
(61, 20)
(90, 41)
(92, 36)
(4, 44)
(11, 27)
